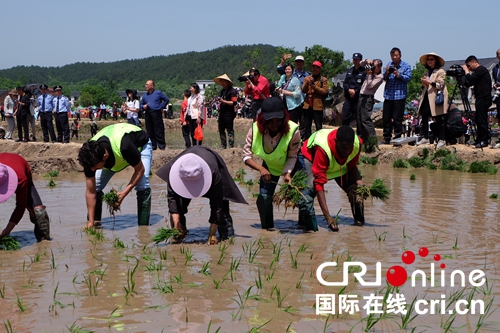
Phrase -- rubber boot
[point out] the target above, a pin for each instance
(42, 225)
(230, 135)
(143, 206)
(265, 207)
(225, 227)
(357, 206)
(223, 140)
(307, 215)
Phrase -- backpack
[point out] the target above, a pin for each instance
(455, 127)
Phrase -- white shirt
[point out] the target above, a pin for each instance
(133, 105)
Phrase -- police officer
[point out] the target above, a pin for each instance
(61, 107)
(45, 108)
(352, 85)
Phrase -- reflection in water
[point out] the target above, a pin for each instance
(437, 210)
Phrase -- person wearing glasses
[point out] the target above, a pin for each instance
(433, 83)
(373, 80)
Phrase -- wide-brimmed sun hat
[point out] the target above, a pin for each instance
(439, 61)
(224, 76)
(8, 182)
(190, 176)
(13, 92)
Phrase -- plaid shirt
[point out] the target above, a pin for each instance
(397, 88)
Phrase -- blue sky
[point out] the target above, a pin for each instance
(56, 33)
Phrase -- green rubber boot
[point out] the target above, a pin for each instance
(143, 206)
(42, 225)
(265, 207)
(230, 135)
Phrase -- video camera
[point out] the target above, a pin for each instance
(455, 71)
(244, 78)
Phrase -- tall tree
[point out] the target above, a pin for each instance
(333, 61)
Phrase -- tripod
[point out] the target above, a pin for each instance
(467, 109)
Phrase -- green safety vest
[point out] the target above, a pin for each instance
(320, 139)
(115, 135)
(276, 159)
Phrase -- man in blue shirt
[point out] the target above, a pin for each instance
(397, 75)
(61, 107)
(45, 108)
(153, 103)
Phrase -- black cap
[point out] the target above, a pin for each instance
(43, 86)
(357, 56)
(273, 108)
(56, 88)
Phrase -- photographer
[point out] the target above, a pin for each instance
(373, 80)
(496, 97)
(258, 87)
(479, 77)
(353, 81)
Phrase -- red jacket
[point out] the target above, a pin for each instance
(320, 161)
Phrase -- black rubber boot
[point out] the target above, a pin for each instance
(357, 206)
(143, 206)
(42, 224)
(265, 207)
(225, 227)
(230, 135)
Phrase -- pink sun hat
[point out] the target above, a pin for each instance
(8, 182)
(190, 176)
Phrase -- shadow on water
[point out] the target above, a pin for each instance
(125, 221)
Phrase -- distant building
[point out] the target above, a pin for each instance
(204, 85)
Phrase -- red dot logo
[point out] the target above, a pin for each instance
(443, 266)
(396, 276)
(408, 257)
(437, 257)
(423, 252)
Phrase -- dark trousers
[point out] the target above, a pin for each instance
(74, 133)
(155, 128)
(62, 126)
(257, 103)
(364, 123)
(309, 116)
(47, 126)
(186, 131)
(192, 126)
(226, 122)
(481, 119)
(297, 116)
(22, 124)
(392, 117)
(349, 110)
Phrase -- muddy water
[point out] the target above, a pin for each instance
(436, 210)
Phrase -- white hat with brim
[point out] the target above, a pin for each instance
(218, 79)
(8, 182)
(439, 61)
(190, 176)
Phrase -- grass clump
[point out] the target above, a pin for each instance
(291, 193)
(452, 162)
(416, 162)
(494, 196)
(240, 175)
(368, 160)
(371, 145)
(483, 167)
(377, 190)
(164, 234)
(9, 243)
(399, 163)
(51, 174)
(51, 183)
(413, 177)
(111, 199)
(432, 166)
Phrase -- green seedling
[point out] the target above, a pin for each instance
(111, 199)
(35, 258)
(455, 247)
(494, 196)
(96, 233)
(154, 267)
(255, 195)
(205, 269)
(91, 284)
(483, 167)
(302, 248)
(257, 329)
(416, 162)
(413, 177)
(377, 190)
(8, 326)
(9, 243)
(258, 280)
(189, 256)
(52, 260)
(279, 298)
(368, 160)
(270, 276)
(298, 285)
(75, 329)
(210, 325)
(51, 174)
(163, 255)
(218, 283)
(51, 183)
(130, 287)
(118, 244)
(178, 278)
(293, 259)
(99, 273)
(291, 193)
(240, 175)
(164, 288)
(381, 237)
(405, 236)
(235, 264)
(163, 235)
(20, 303)
(399, 163)
(231, 240)
(2, 291)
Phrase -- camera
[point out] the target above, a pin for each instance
(243, 78)
(392, 69)
(369, 67)
(455, 71)
(496, 96)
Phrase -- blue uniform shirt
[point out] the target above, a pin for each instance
(155, 101)
(64, 105)
(47, 107)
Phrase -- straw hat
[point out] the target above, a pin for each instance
(8, 182)
(13, 92)
(222, 77)
(439, 61)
